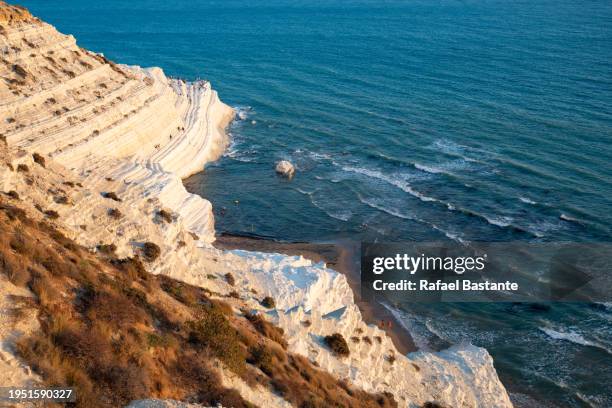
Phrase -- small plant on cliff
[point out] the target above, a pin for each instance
(61, 199)
(229, 278)
(214, 332)
(107, 248)
(262, 357)
(38, 159)
(23, 168)
(268, 302)
(111, 195)
(151, 251)
(13, 194)
(52, 214)
(114, 213)
(165, 215)
(432, 404)
(337, 344)
(266, 328)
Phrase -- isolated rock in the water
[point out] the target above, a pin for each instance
(285, 168)
(242, 115)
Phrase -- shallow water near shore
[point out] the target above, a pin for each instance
(407, 120)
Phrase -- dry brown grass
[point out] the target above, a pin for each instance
(103, 336)
(117, 333)
(14, 14)
(266, 328)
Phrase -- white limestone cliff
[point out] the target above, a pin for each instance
(106, 128)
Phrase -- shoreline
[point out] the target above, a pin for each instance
(339, 256)
(113, 179)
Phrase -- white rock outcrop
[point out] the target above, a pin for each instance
(285, 168)
(134, 132)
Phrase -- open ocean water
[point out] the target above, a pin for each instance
(407, 120)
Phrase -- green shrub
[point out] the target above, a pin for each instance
(337, 344)
(38, 159)
(115, 213)
(261, 357)
(107, 248)
(151, 251)
(165, 215)
(268, 302)
(216, 333)
(111, 195)
(52, 214)
(229, 278)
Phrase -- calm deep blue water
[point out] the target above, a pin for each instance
(407, 120)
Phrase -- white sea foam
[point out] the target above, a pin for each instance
(573, 337)
(569, 218)
(447, 168)
(329, 208)
(243, 112)
(378, 204)
(429, 169)
(527, 200)
(394, 180)
(384, 207)
(498, 220)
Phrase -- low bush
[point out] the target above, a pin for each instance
(23, 168)
(266, 328)
(52, 214)
(115, 213)
(229, 278)
(151, 251)
(107, 248)
(216, 333)
(165, 215)
(261, 357)
(268, 302)
(111, 195)
(39, 159)
(337, 344)
(61, 199)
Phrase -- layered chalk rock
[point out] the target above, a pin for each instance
(85, 112)
(116, 142)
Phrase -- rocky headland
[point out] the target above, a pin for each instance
(97, 150)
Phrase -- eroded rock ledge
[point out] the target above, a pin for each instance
(117, 140)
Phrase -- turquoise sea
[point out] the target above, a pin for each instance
(408, 120)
